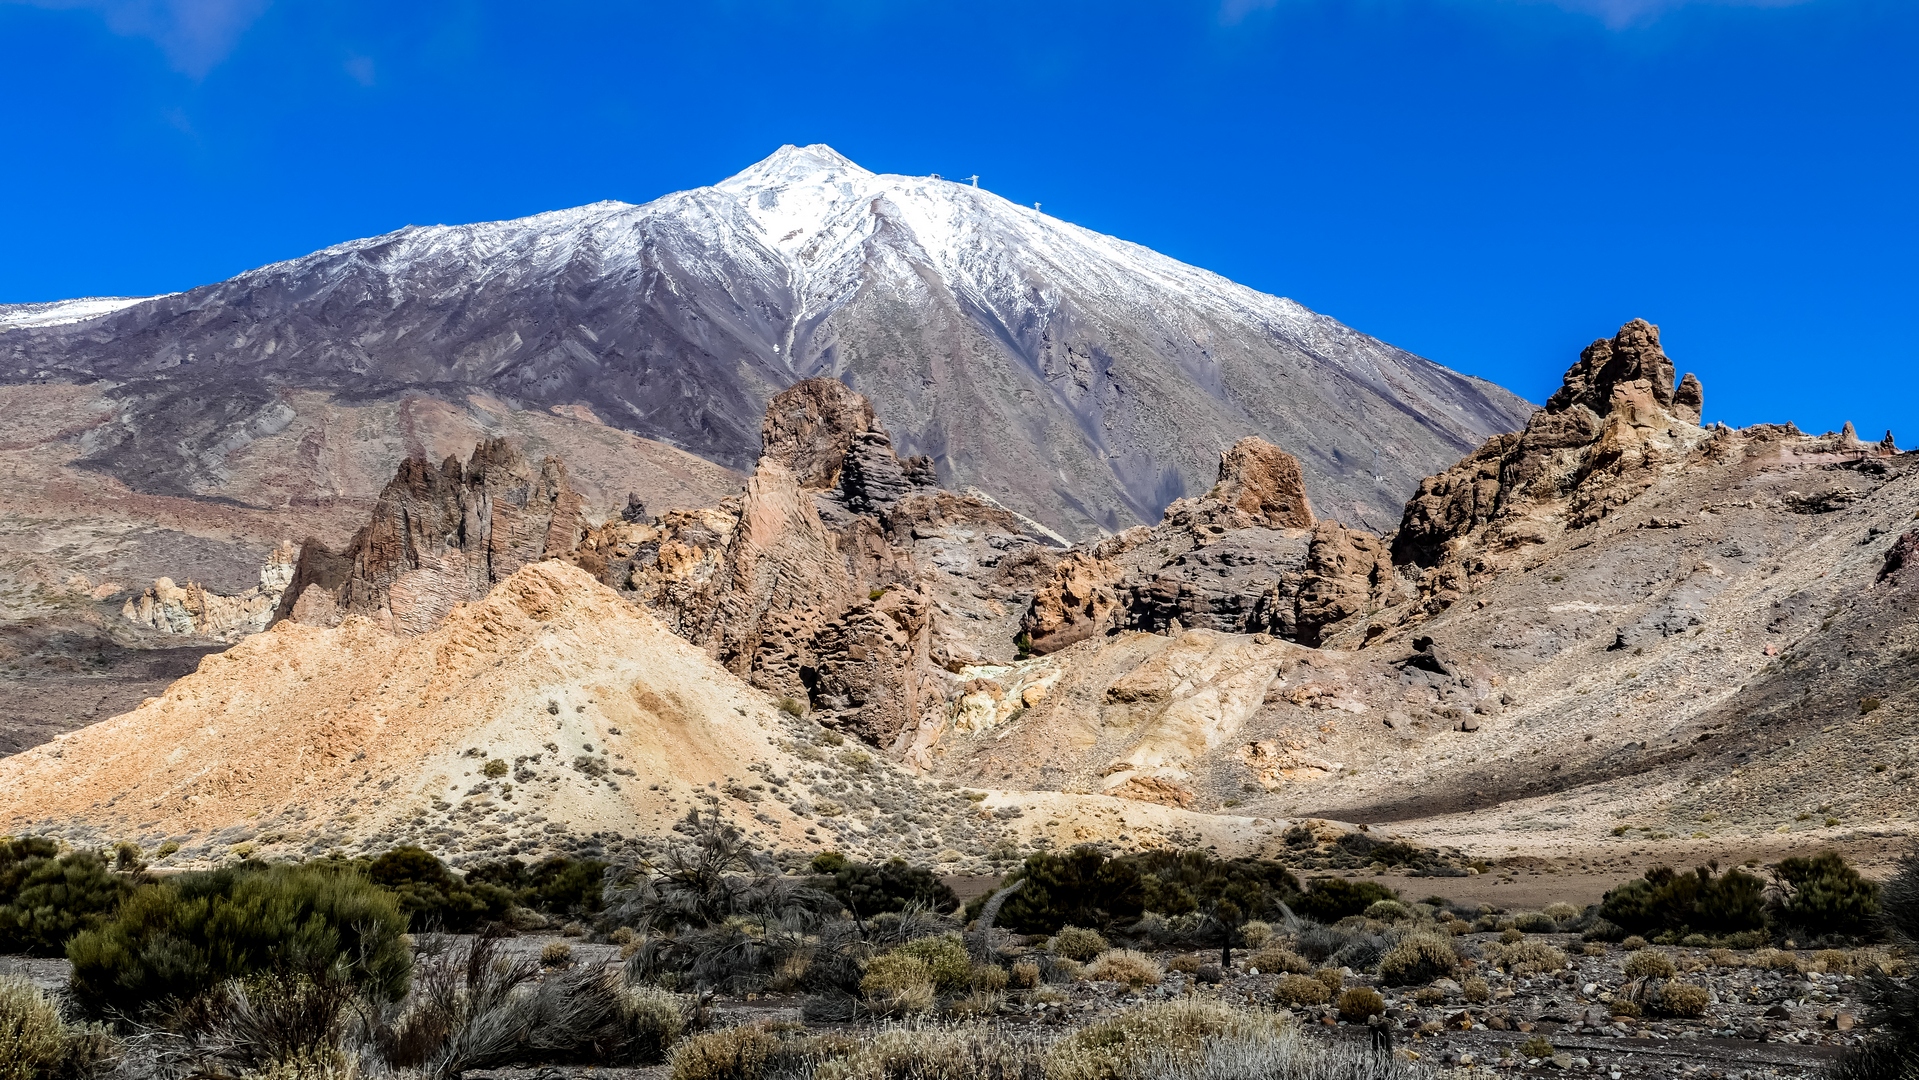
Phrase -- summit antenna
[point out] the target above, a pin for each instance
(975, 179)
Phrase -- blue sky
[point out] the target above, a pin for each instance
(1491, 183)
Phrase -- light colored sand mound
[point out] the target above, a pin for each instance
(604, 720)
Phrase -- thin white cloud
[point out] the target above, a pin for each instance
(1617, 14)
(195, 34)
(1621, 14)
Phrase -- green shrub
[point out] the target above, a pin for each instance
(1417, 960)
(557, 886)
(1300, 991)
(1666, 901)
(174, 942)
(1536, 1046)
(1081, 887)
(1535, 922)
(898, 983)
(867, 890)
(46, 897)
(1358, 1004)
(1387, 911)
(1236, 890)
(434, 897)
(37, 1044)
(1649, 964)
(945, 958)
(1330, 899)
(1077, 943)
(1826, 896)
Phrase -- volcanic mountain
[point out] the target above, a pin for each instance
(1081, 380)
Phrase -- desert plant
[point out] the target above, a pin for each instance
(1025, 975)
(1135, 969)
(1353, 948)
(434, 897)
(36, 1043)
(1119, 1047)
(1418, 959)
(174, 942)
(1078, 943)
(1891, 1052)
(1358, 1004)
(1427, 997)
(1649, 964)
(1081, 887)
(1683, 999)
(735, 1053)
(1560, 912)
(1476, 990)
(1678, 903)
(715, 877)
(1824, 895)
(1633, 943)
(1330, 899)
(945, 958)
(1528, 957)
(556, 954)
(47, 897)
(1275, 960)
(1300, 991)
(989, 978)
(867, 890)
(1834, 961)
(1256, 933)
(557, 886)
(1536, 922)
(1333, 978)
(1536, 1046)
(1387, 911)
(898, 983)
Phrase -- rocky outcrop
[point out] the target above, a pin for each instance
(193, 610)
(439, 537)
(1602, 439)
(809, 428)
(1081, 599)
(1259, 486)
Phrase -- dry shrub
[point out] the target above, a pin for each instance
(1536, 922)
(1634, 943)
(1188, 963)
(945, 958)
(1560, 912)
(557, 954)
(1648, 964)
(1118, 1048)
(1135, 969)
(1537, 1046)
(1476, 990)
(1512, 935)
(1429, 996)
(36, 1044)
(1592, 948)
(1419, 959)
(1723, 958)
(1300, 991)
(1683, 999)
(1062, 970)
(1026, 975)
(1256, 933)
(735, 1053)
(978, 1003)
(1075, 943)
(1833, 961)
(898, 984)
(1333, 978)
(1274, 961)
(990, 978)
(1530, 957)
(1775, 960)
(1360, 1003)
(1387, 911)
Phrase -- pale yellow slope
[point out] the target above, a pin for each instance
(317, 735)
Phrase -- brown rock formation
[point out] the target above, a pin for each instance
(1600, 441)
(1081, 599)
(1263, 482)
(438, 537)
(810, 427)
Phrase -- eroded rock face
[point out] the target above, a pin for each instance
(193, 610)
(809, 428)
(1601, 440)
(439, 537)
(1259, 486)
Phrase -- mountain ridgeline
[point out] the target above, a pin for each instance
(1078, 379)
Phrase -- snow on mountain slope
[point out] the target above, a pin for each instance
(64, 312)
(1081, 379)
